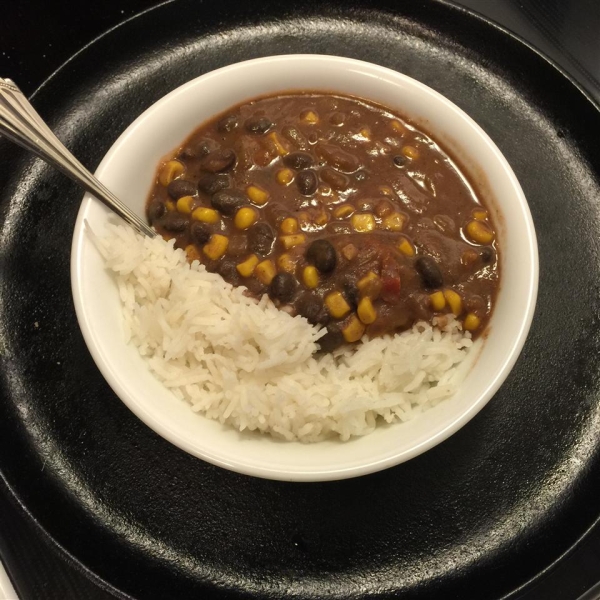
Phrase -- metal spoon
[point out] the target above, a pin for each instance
(20, 123)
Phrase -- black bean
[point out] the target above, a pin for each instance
(260, 238)
(181, 187)
(310, 311)
(258, 125)
(283, 287)
(228, 271)
(332, 339)
(187, 153)
(400, 160)
(294, 136)
(156, 209)
(474, 304)
(337, 118)
(298, 160)
(174, 222)
(430, 273)
(228, 201)
(205, 147)
(487, 254)
(322, 254)
(351, 291)
(228, 123)
(200, 232)
(311, 308)
(199, 149)
(335, 156)
(276, 213)
(307, 182)
(219, 160)
(322, 317)
(211, 183)
(238, 245)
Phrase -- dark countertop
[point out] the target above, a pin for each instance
(38, 36)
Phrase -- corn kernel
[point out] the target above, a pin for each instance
(398, 127)
(285, 176)
(206, 215)
(454, 301)
(343, 211)
(170, 171)
(337, 305)
(310, 117)
(216, 246)
(289, 225)
(184, 204)
(265, 271)
(394, 221)
(386, 190)
(310, 276)
(365, 133)
(410, 152)
(286, 263)
(366, 311)
(257, 195)
(281, 149)
(472, 322)
(370, 285)
(246, 268)
(363, 222)
(480, 214)
(480, 232)
(192, 253)
(406, 247)
(353, 330)
(245, 217)
(438, 302)
(289, 241)
(170, 205)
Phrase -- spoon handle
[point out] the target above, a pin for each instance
(20, 123)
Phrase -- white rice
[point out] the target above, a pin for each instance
(251, 365)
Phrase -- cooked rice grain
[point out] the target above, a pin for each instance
(251, 365)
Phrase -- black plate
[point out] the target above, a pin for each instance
(480, 515)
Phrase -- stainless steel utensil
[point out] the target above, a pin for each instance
(20, 123)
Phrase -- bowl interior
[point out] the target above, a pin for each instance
(128, 170)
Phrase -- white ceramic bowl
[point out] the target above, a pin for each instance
(128, 170)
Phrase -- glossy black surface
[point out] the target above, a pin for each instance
(475, 518)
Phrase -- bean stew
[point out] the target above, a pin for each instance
(340, 210)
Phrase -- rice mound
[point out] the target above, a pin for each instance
(248, 364)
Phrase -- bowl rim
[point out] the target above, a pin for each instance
(320, 474)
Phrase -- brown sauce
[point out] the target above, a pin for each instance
(340, 210)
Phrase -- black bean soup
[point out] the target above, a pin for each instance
(341, 211)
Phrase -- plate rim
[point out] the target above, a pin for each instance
(42, 88)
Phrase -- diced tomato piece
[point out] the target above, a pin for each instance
(390, 280)
(390, 286)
